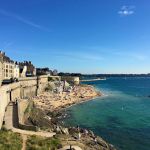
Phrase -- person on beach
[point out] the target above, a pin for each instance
(95, 140)
(78, 128)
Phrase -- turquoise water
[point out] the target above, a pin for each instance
(121, 116)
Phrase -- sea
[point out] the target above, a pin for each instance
(121, 116)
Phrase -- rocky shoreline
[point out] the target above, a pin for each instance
(48, 114)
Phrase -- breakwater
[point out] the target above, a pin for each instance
(90, 80)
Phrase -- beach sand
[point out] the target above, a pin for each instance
(56, 101)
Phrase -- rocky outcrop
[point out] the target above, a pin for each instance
(84, 138)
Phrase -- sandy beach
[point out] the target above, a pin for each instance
(56, 101)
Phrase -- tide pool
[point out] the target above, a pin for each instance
(121, 116)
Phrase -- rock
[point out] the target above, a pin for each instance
(58, 130)
(91, 133)
(65, 131)
(111, 147)
(101, 142)
(72, 130)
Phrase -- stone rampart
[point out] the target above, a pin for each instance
(24, 88)
(70, 79)
(42, 83)
(4, 100)
(22, 108)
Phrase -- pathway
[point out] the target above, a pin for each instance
(68, 147)
(11, 122)
(24, 139)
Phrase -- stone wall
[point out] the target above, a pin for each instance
(54, 78)
(70, 79)
(25, 88)
(1, 76)
(42, 83)
(28, 87)
(4, 100)
(14, 91)
(22, 108)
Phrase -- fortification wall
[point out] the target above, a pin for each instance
(70, 79)
(14, 91)
(4, 100)
(25, 88)
(28, 87)
(1, 76)
(42, 83)
(22, 108)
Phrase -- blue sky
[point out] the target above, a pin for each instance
(87, 36)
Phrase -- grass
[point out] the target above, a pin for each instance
(10, 140)
(40, 143)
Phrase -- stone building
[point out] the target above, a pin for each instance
(27, 69)
(43, 71)
(16, 71)
(7, 66)
(13, 70)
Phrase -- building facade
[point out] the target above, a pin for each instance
(43, 71)
(13, 70)
(16, 71)
(27, 69)
(7, 68)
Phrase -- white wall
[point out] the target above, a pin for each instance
(16, 71)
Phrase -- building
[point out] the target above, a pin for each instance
(16, 71)
(7, 66)
(27, 69)
(22, 71)
(43, 71)
(55, 72)
(13, 70)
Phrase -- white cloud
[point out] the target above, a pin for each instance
(23, 20)
(126, 10)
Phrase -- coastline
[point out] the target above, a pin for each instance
(82, 101)
(58, 102)
(51, 118)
